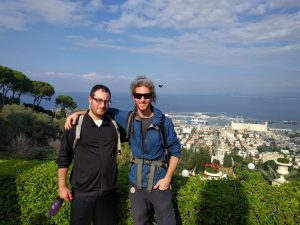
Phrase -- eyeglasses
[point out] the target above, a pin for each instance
(100, 101)
(139, 95)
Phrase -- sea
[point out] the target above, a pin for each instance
(275, 110)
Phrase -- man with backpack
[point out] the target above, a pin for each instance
(92, 147)
(152, 168)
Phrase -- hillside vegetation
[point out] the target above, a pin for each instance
(25, 134)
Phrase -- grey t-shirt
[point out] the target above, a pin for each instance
(145, 124)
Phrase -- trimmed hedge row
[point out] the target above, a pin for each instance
(27, 189)
(245, 200)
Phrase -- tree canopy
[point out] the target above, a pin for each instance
(21, 84)
(17, 83)
(41, 90)
(227, 162)
(6, 81)
(65, 102)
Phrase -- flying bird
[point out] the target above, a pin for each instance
(160, 85)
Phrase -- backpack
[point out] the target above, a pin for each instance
(78, 131)
(152, 164)
(161, 128)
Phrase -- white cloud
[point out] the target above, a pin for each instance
(173, 14)
(259, 10)
(209, 31)
(90, 42)
(202, 31)
(59, 74)
(274, 27)
(18, 14)
(283, 4)
(102, 77)
(13, 15)
(208, 48)
(90, 76)
(243, 20)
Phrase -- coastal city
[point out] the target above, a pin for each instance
(222, 133)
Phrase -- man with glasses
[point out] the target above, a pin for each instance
(94, 174)
(151, 170)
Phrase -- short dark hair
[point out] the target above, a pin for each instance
(99, 87)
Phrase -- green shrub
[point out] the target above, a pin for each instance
(27, 189)
(284, 159)
(245, 200)
(23, 131)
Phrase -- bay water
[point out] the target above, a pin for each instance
(255, 108)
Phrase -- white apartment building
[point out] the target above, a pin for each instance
(249, 126)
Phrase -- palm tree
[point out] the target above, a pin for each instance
(269, 174)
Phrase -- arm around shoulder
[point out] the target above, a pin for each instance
(72, 119)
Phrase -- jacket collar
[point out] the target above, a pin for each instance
(105, 120)
(157, 116)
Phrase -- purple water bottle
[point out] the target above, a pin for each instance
(55, 206)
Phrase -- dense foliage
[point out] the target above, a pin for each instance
(271, 148)
(29, 135)
(284, 159)
(194, 160)
(27, 189)
(16, 83)
(227, 161)
(65, 102)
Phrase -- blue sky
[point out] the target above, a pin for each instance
(237, 47)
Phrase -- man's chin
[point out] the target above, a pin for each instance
(142, 107)
(100, 113)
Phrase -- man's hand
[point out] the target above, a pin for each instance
(71, 120)
(162, 184)
(65, 194)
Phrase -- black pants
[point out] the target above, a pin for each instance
(142, 201)
(101, 210)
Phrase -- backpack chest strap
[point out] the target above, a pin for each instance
(153, 164)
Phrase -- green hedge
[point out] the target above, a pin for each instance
(245, 200)
(27, 189)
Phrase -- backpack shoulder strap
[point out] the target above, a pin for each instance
(130, 120)
(118, 133)
(163, 137)
(77, 131)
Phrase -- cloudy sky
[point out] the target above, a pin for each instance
(236, 47)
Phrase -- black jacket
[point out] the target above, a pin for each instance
(95, 157)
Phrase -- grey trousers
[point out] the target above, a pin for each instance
(142, 201)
